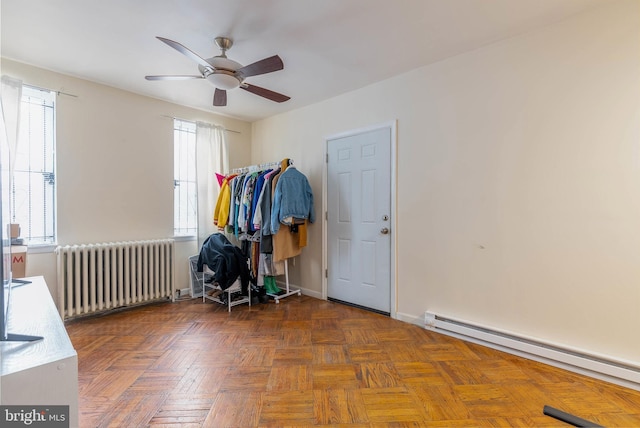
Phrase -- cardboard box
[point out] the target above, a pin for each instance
(14, 230)
(18, 261)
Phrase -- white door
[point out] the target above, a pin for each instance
(359, 219)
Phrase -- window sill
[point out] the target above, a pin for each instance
(185, 238)
(41, 248)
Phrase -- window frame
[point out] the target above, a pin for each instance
(185, 218)
(29, 105)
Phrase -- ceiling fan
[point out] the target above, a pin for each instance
(225, 74)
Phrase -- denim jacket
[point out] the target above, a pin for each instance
(292, 198)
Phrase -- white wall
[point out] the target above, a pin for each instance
(519, 181)
(115, 165)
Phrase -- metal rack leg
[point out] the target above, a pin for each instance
(289, 291)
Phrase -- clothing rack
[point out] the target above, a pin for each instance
(261, 167)
(258, 167)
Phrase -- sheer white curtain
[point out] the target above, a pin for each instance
(211, 156)
(10, 98)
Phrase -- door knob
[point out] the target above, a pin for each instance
(384, 231)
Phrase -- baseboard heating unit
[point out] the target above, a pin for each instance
(94, 278)
(620, 372)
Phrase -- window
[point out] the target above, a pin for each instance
(33, 193)
(185, 205)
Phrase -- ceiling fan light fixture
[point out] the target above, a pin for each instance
(223, 80)
(224, 63)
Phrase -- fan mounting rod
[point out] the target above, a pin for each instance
(224, 44)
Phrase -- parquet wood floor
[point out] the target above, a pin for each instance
(308, 362)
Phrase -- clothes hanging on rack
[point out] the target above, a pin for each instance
(292, 199)
(267, 208)
(221, 212)
(265, 213)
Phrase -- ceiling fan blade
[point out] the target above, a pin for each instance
(267, 65)
(220, 98)
(266, 93)
(175, 77)
(185, 51)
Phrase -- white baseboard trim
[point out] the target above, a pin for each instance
(311, 293)
(411, 319)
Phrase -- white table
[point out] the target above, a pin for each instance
(42, 372)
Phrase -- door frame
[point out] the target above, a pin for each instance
(393, 126)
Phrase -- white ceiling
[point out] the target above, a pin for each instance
(328, 47)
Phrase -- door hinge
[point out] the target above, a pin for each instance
(326, 215)
(327, 158)
(326, 273)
